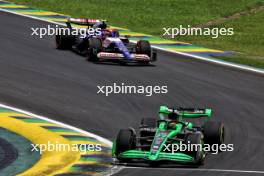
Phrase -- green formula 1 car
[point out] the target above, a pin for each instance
(157, 139)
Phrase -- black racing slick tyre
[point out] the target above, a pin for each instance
(64, 42)
(197, 151)
(95, 46)
(214, 133)
(143, 47)
(126, 140)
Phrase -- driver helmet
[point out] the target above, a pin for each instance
(173, 116)
(101, 25)
(114, 33)
(172, 125)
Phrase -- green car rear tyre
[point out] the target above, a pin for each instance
(214, 133)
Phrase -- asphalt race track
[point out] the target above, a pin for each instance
(7, 152)
(62, 85)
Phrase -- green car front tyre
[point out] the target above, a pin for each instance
(126, 140)
(197, 152)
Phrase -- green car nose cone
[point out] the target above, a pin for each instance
(153, 157)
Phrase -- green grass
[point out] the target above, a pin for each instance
(246, 60)
(248, 36)
(247, 41)
(150, 16)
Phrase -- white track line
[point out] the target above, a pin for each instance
(32, 17)
(200, 170)
(215, 61)
(99, 138)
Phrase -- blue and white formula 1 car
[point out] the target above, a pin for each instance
(114, 48)
(108, 46)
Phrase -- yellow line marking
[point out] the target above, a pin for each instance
(194, 50)
(12, 6)
(7, 114)
(38, 13)
(133, 33)
(56, 19)
(167, 42)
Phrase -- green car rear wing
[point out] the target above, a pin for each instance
(185, 112)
